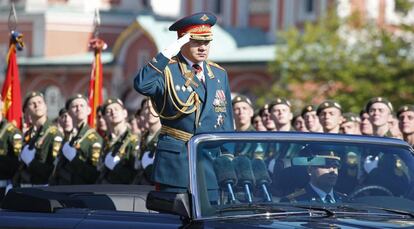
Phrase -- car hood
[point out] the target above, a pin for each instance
(311, 222)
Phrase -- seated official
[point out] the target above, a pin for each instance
(323, 171)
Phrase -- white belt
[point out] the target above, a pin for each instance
(33, 185)
(4, 183)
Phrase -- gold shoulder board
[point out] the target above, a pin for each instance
(296, 194)
(209, 62)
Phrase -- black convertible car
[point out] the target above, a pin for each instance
(264, 180)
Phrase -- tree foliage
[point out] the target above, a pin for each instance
(340, 60)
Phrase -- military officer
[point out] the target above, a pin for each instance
(311, 119)
(121, 146)
(78, 163)
(380, 113)
(42, 143)
(350, 124)
(11, 141)
(323, 174)
(330, 116)
(281, 114)
(243, 113)
(365, 125)
(405, 115)
(191, 95)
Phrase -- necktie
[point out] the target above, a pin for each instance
(197, 70)
(328, 199)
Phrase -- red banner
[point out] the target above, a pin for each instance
(96, 84)
(12, 101)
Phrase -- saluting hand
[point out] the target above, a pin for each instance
(175, 47)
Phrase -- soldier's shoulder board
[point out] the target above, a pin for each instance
(11, 128)
(173, 60)
(53, 129)
(211, 63)
(293, 195)
(133, 138)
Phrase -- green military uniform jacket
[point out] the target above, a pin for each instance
(47, 140)
(83, 169)
(11, 141)
(147, 145)
(126, 147)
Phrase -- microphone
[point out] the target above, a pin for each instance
(245, 176)
(262, 177)
(226, 175)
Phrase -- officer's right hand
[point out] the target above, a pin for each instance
(68, 151)
(175, 47)
(27, 154)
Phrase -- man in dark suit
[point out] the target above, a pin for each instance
(323, 171)
(191, 95)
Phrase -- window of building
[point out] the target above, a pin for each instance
(307, 11)
(259, 7)
(54, 101)
(309, 6)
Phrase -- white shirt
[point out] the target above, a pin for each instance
(323, 194)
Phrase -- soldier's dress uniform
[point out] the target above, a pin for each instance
(126, 148)
(11, 142)
(186, 107)
(148, 146)
(308, 194)
(47, 141)
(83, 169)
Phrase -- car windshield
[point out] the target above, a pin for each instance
(238, 174)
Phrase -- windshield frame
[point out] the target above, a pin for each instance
(269, 136)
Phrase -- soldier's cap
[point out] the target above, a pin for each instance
(328, 104)
(278, 101)
(308, 108)
(198, 25)
(241, 98)
(110, 101)
(378, 100)
(30, 95)
(404, 109)
(351, 117)
(72, 98)
(62, 111)
(319, 155)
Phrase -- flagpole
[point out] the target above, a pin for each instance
(11, 95)
(96, 78)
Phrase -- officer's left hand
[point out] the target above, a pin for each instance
(110, 161)
(27, 154)
(68, 151)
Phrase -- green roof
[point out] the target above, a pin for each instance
(81, 59)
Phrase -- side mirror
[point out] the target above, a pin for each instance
(169, 202)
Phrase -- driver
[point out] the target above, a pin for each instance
(323, 171)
